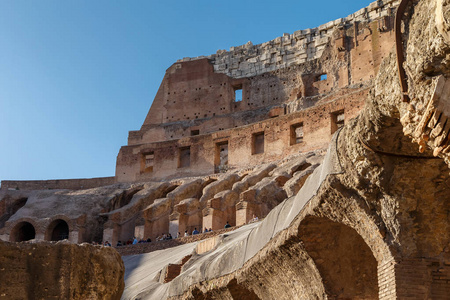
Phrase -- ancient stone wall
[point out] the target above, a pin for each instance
(54, 215)
(279, 140)
(369, 221)
(70, 184)
(236, 197)
(60, 271)
(291, 49)
(230, 98)
(161, 245)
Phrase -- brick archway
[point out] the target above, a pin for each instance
(57, 230)
(22, 231)
(345, 262)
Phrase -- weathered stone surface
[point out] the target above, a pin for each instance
(60, 271)
(225, 183)
(251, 179)
(78, 209)
(294, 184)
(370, 222)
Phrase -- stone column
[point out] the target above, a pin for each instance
(213, 216)
(108, 235)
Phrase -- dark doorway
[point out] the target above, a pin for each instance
(23, 231)
(59, 230)
(344, 260)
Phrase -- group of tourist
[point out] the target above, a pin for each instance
(133, 241)
(164, 237)
(168, 236)
(254, 219)
(195, 231)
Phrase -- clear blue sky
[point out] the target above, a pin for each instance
(76, 76)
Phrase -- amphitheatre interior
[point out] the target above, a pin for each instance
(345, 166)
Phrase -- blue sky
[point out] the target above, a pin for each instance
(76, 76)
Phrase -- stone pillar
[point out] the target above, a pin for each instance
(73, 236)
(174, 227)
(156, 226)
(108, 235)
(245, 211)
(40, 236)
(178, 220)
(139, 232)
(246, 207)
(127, 230)
(213, 218)
(111, 232)
(116, 235)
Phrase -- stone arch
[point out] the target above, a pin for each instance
(22, 231)
(345, 262)
(57, 230)
(12, 209)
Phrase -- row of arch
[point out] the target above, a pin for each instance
(24, 231)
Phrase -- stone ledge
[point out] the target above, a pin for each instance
(161, 245)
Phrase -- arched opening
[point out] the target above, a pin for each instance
(58, 230)
(23, 231)
(345, 262)
(17, 204)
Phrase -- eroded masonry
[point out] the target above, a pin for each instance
(312, 131)
(228, 112)
(259, 103)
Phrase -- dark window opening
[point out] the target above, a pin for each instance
(184, 158)
(321, 77)
(258, 143)
(60, 231)
(337, 120)
(296, 133)
(237, 93)
(148, 162)
(195, 132)
(23, 232)
(221, 157)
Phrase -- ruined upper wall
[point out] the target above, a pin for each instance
(301, 46)
(56, 184)
(195, 100)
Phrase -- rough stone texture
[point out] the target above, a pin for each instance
(78, 209)
(300, 83)
(299, 47)
(149, 209)
(371, 222)
(60, 271)
(72, 184)
(161, 245)
(208, 202)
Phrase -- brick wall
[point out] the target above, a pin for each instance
(414, 278)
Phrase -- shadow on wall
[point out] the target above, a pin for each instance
(57, 230)
(345, 262)
(11, 209)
